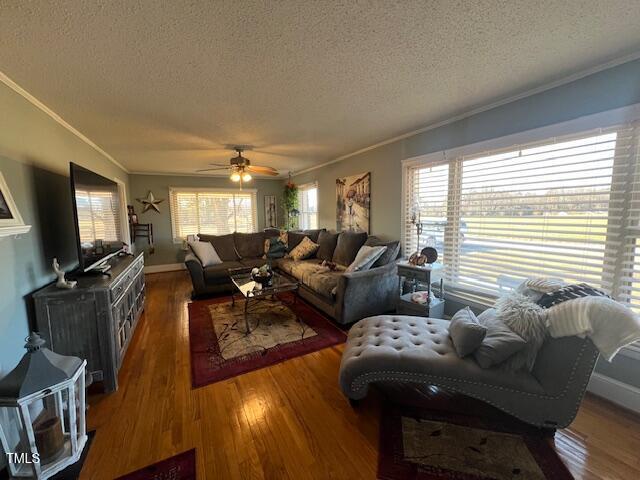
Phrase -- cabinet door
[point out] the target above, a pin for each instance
(72, 329)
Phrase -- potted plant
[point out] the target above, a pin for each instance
(290, 204)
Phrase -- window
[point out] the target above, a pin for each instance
(308, 206)
(565, 207)
(98, 216)
(211, 211)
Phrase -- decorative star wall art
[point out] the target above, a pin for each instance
(150, 202)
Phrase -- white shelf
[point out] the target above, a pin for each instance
(14, 230)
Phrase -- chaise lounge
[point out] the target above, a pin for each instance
(390, 348)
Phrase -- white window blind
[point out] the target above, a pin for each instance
(308, 206)
(98, 216)
(565, 207)
(213, 212)
(426, 206)
(625, 275)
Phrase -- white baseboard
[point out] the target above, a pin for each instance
(168, 267)
(626, 396)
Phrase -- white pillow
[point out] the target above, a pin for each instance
(205, 253)
(366, 257)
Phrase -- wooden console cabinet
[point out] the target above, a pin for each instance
(96, 320)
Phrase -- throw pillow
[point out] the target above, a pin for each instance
(327, 242)
(284, 237)
(205, 253)
(498, 344)
(569, 293)
(277, 249)
(347, 248)
(527, 320)
(393, 249)
(304, 249)
(544, 285)
(365, 258)
(466, 332)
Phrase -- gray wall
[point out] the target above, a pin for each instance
(166, 252)
(612, 88)
(35, 152)
(606, 90)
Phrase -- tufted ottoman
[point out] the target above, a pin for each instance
(400, 348)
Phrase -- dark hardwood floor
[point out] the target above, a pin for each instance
(289, 421)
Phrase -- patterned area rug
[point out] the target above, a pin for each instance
(428, 444)
(178, 467)
(280, 330)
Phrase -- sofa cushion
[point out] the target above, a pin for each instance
(293, 239)
(205, 253)
(223, 244)
(324, 282)
(314, 234)
(327, 242)
(299, 269)
(392, 252)
(347, 247)
(220, 273)
(272, 232)
(305, 249)
(249, 245)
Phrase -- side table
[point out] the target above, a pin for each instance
(434, 308)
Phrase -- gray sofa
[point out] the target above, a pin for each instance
(345, 297)
(417, 350)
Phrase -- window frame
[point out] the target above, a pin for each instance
(305, 188)
(584, 125)
(174, 190)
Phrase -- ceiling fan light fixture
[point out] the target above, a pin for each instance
(235, 177)
(246, 177)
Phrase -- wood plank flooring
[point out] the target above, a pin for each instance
(289, 421)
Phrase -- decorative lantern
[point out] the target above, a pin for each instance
(42, 412)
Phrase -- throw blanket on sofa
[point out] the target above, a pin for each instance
(609, 324)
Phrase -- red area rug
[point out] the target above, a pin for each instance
(178, 467)
(432, 440)
(280, 330)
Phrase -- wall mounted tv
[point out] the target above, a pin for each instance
(96, 209)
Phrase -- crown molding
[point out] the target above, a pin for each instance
(548, 86)
(56, 118)
(280, 177)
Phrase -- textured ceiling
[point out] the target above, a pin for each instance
(162, 86)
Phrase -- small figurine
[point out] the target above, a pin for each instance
(62, 282)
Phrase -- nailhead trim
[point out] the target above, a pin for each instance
(361, 382)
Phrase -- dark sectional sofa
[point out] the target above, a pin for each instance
(345, 297)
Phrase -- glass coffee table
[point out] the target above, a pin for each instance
(253, 292)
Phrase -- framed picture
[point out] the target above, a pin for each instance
(353, 203)
(11, 222)
(270, 211)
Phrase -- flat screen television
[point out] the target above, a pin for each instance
(96, 210)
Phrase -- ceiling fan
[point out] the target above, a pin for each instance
(241, 167)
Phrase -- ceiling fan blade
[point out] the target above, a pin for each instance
(212, 169)
(219, 165)
(263, 170)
